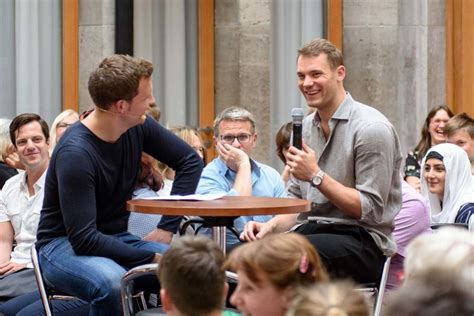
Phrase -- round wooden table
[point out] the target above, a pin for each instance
(224, 208)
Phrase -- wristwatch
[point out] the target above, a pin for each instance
(317, 179)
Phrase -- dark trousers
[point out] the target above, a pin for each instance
(346, 251)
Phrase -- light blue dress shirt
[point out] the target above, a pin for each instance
(216, 177)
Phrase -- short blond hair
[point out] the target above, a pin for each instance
(448, 250)
(328, 299)
(459, 122)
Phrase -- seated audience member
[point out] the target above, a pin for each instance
(83, 245)
(60, 125)
(349, 168)
(437, 295)
(328, 299)
(234, 172)
(439, 276)
(20, 206)
(270, 269)
(193, 281)
(6, 172)
(144, 225)
(412, 220)
(282, 142)
(431, 134)
(448, 249)
(448, 185)
(460, 131)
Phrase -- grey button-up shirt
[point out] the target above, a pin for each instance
(361, 152)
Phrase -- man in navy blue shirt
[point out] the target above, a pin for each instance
(84, 247)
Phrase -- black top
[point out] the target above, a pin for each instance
(89, 182)
(6, 172)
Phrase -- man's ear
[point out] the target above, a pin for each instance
(167, 305)
(121, 106)
(341, 73)
(255, 136)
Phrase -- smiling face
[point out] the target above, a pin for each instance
(32, 146)
(434, 173)
(320, 85)
(437, 123)
(262, 299)
(140, 104)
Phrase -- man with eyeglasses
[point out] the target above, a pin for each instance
(234, 172)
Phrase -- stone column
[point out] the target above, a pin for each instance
(96, 41)
(394, 55)
(243, 63)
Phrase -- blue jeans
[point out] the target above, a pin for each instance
(93, 279)
(30, 305)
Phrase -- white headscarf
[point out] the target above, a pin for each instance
(458, 183)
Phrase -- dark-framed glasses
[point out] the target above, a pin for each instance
(242, 138)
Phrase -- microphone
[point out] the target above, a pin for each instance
(297, 115)
(142, 117)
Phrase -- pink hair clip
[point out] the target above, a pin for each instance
(304, 263)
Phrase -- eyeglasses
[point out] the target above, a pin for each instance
(63, 125)
(242, 138)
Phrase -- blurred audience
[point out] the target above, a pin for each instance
(270, 269)
(439, 276)
(6, 172)
(283, 141)
(328, 299)
(60, 125)
(431, 134)
(156, 179)
(193, 281)
(412, 220)
(460, 131)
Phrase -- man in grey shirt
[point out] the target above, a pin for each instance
(358, 194)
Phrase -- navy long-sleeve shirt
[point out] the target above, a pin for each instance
(89, 181)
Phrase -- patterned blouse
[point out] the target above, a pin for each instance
(412, 164)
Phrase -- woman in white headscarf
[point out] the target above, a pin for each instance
(447, 182)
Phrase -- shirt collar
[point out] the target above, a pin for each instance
(343, 112)
(37, 186)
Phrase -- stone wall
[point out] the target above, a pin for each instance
(395, 59)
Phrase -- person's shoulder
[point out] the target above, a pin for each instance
(13, 184)
(366, 113)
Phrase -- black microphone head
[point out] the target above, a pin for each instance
(297, 114)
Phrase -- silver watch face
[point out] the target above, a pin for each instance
(316, 180)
